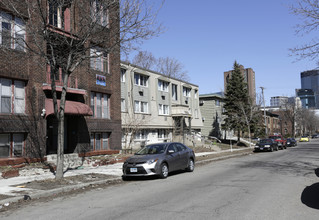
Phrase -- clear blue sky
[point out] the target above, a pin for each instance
(207, 36)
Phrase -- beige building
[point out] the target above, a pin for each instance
(249, 77)
(156, 108)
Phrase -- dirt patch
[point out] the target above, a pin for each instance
(66, 181)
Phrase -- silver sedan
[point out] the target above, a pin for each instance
(159, 159)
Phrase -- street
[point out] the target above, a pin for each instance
(271, 185)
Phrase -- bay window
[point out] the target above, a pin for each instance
(99, 60)
(100, 105)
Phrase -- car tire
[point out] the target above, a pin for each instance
(163, 171)
(271, 149)
(191, 165)
(277, 149)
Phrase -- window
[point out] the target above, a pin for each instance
(162, 133)
(123, 71)
(141, 107)
(163, 86)
(59, 15)
(11, 145)
(174, 92)
(12, 31)
(187, 92)
(12, 103)
(140, 80)
(196, 113)
(99, 12)
(141, 135)
(100, 105)
(100, 141)
(163, 109)
(99, 60)
(217, 103)
(123, 105)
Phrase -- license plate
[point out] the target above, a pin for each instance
(261, 148)
(133, 170)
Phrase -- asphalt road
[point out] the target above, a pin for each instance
(275, 185)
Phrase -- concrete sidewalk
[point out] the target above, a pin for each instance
(14, 189)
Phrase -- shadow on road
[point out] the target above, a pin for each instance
(309, 196)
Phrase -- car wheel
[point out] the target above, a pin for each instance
(277, 149)
(271, 149)
(190, 166)
(164, 171)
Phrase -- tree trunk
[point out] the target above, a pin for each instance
(60, 153)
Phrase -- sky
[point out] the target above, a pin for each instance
(207, 36)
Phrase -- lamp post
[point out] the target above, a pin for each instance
(262, 92)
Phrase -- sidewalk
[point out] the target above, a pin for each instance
(29, 185)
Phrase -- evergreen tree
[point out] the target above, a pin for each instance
(236, 102)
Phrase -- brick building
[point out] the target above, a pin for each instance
(249, 78)
(28, 128)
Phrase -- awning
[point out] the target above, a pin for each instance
(71, 108)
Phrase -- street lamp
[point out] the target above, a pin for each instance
(262, 92)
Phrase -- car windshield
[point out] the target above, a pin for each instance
(152, 149)
(275, 138)
(265, 141)
(304, 136)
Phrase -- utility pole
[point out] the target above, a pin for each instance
(262, 92)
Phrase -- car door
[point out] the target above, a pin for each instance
(183, 153)
(173, 157)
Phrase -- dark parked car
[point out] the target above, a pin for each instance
(291, 142)
(266, 145)
(159, 159)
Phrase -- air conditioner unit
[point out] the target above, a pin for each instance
(201, 102)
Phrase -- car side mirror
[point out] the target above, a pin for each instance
(171, 151)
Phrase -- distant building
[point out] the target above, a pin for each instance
(307, 98)
(310, 81)
(249, 77)
(278, 101)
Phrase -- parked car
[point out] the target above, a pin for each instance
(315, 136)
(266, 145)
(159, 159)
(280, 140)
(291, 142)
(304, 138)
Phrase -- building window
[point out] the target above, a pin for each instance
(123, 105)
(174, 92)
(140, 80)
(186, 92)
(100, 141)
(163, 109)
(100, 105)
(163, 86)
(99, 12)
(12, 32)
(99, 60)
(141, 135)
(59, 15)
(196, 113)
(162, 134)
(217, 103)
(11, 145)
(12, 96)
(123, 71)
(141, 107)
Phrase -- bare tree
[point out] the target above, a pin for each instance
(99, 28)
(167, 66)
(145, 60)
(308, 10)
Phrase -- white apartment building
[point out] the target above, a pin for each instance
(156, 108)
